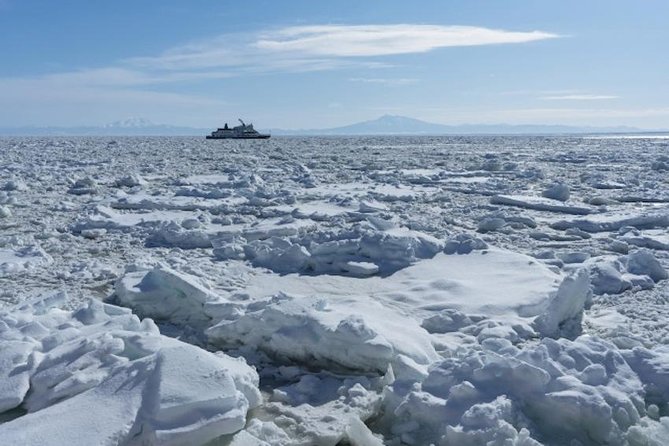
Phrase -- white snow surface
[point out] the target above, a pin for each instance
(334, 291)
(21, 259)
(99, 375)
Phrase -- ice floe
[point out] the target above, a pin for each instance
(99, 375)
(541, 204)
(329, 291)
(22, 258)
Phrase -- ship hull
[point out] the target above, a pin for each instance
(239, 137)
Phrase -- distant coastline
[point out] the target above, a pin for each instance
(385, 125)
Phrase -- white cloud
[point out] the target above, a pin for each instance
(384, 81)
(538, 92)
(303, 47)
(578, 97)
(291, 49)
(381, 40)
(560, 95)
(128, 86)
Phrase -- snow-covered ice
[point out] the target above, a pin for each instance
(23, 258)
(99, 375)
(333, 291)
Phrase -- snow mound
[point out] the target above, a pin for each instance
(318, 409)
(638, 269)
(464, 244)
(84, 186)
(14, 185)
(561, 390)
(360, 251)
(557, 191)
(643, 262)
(5, 212)
(22, 258)
(352, 333)
(511, 290)
(367, 324)
(184, 235)
(99, 375)
(130, 180)
(652, 367)
(165, 294)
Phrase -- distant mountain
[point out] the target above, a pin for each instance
(389, 124)
(125, 127)
(401, 125)
(385, 125)
(132, 123)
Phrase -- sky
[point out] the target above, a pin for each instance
(300, 64)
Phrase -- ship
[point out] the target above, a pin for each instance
(244, 131)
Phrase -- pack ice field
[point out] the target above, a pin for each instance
(334, 291)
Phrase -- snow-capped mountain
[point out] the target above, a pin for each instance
(132, 123)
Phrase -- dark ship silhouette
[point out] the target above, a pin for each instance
(244, 131)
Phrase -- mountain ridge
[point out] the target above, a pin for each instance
(384, 125)
(402, 125)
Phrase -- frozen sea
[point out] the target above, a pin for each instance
(461, 290)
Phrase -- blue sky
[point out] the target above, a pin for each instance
(311, 64)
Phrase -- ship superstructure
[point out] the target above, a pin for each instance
(244, 131)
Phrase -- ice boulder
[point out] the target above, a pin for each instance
(185, 236)
(491, 224)
(22, 258)
(643, 262)
(14, 383)
(14, 185)
(557, 191)
(84, 186)
(99, 375)
(638, 269)
(130, 180)
(660, 165)
(165, 294)
(652, 366)
(202, 395)
(564, 312)
(320, 409)
(362, 251)
(573, 256)
(354, 333)
(567, 391)
(649, 432)
(607, 277)
(447, 320)
(464, 244)
(275, 253)
(229, 247)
